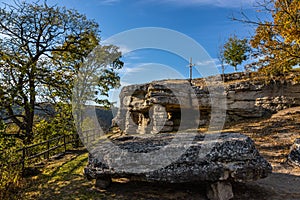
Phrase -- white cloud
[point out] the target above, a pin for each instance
(124, 49)
(131, 55)
(134, 69)
(206, 62)
(217, 3)
(139, 73)
(220, 65)
(109, 2)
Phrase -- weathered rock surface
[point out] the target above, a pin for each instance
(294, 155)
(231, 157)
(220, 191)
(158, 106)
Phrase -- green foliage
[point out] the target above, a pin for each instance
(235, 51)
(61, 123)
(10, 170)
(42, 48)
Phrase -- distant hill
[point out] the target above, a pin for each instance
(45, 110)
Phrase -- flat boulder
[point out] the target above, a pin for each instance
(217, 159)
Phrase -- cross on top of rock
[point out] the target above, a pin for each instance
(191, 65)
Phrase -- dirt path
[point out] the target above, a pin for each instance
(273, 138)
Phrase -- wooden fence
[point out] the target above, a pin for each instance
(59, 143)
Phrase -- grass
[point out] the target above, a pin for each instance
(62, 179)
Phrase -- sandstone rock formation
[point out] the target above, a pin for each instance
(159, 106)
(217, 159)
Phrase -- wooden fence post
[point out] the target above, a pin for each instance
(23, 158)
(46, 153)
(87, 138)
(65, 143)
(76, 140)
(48, 147)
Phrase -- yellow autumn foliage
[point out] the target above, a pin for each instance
(279, 40)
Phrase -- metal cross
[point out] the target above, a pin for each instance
(191, 65)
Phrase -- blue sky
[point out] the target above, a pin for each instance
(208, 22)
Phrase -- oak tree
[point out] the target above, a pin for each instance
(42, 48)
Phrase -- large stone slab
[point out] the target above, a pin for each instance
(230, 157)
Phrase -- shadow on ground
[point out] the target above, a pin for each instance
(63, 178)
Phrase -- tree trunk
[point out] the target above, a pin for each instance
(29, 111)
(29, 108)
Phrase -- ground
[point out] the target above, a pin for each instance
(62, 178)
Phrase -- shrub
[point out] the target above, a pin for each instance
(10, 168)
